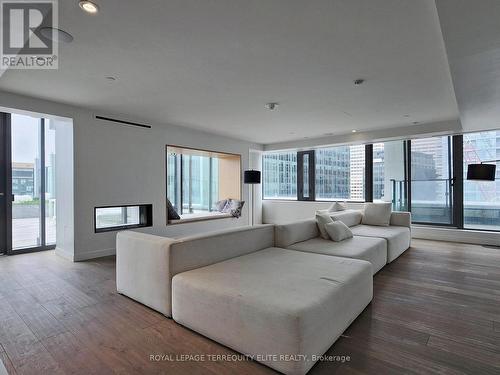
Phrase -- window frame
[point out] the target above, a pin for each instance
(312, 178)
(209, 215)
(457, 180)
(311, 172)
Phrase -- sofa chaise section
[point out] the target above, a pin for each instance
(274, 302)
(304, 236)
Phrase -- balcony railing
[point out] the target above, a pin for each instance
(437, 207)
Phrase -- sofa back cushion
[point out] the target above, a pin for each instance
(377, 214)
(297, 231)
(348, 217)
(202, 250)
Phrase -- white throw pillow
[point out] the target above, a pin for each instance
(377, 214)
(338, 206)
(338, 231)
(321, 220)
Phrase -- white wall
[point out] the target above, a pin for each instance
(117, 164)
(276, 211)
(65, 223)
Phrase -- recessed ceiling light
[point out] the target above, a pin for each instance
(354, 130)
(57, 35)
(89, 6)
(272, 106)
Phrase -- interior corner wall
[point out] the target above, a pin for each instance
(230, 178)
(64, 188)
(116, 164)
(256, 205)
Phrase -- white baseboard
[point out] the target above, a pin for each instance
(94, 254)
(65, 254)
(456, 235)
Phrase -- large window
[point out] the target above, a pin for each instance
(198, 179)
(324, 174)
(340, 173)
(481, 198)
(426, 176)
(280, 175)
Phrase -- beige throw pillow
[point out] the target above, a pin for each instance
(321, 220)
(338, 206)
(338, 231)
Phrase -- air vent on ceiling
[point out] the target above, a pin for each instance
(122, 122)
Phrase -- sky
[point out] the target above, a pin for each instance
(25, 139)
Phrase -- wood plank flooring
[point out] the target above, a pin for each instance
(435, 310)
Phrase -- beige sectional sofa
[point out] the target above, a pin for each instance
(276, 293)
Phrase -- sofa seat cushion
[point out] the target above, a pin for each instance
(274, 301)
(398, 238)
(373, 250)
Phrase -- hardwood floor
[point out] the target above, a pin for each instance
(435, 310)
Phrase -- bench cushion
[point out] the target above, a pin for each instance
(372, 249)
(274, 301)
(398, 238)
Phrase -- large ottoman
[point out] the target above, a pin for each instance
(281, 307)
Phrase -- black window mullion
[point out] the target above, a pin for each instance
(458, 181)
(311, 174)
(5, 185)
(407, 163)
(369, 173)
(181, 186)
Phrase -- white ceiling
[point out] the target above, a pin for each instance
(471, 31)
(214, 64)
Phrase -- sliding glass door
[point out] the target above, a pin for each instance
(418, 175)
(28, 172)
(432, 180)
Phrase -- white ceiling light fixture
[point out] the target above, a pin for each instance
(56, 35)
(89, 6)
(272, 106)
(354, 130)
